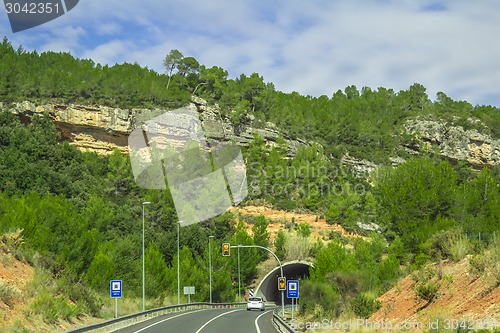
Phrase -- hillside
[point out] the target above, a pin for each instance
(462, 295)
(279, 219)
(21, 286)
(418, 178)
(15, 277)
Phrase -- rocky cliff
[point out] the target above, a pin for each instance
(454, 142)
(102, 129)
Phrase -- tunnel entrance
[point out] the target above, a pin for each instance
(292, 270)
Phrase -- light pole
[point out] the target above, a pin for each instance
(239, 276)
(281, 270)
(178, 266)
(143, 285)
(210, 265)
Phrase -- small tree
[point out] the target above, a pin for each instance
(279, 244)
(172, 61)
(261, 235)
(304, 230)
(156, 272)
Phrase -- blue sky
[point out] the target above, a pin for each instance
(313, 47)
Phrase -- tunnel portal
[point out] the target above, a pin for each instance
(292, 270)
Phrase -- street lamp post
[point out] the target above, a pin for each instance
(210, 265)
(239, 276)
(178, 266)
(143, 274)
(281, 270)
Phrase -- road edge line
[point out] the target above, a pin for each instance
(208, 322)
(164, 320)
(256, 319)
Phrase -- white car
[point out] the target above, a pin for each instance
(256, 303)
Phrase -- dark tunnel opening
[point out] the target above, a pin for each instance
(292, 271)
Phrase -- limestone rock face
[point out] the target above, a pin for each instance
(361, 166)
(102, 128)
(456, 143)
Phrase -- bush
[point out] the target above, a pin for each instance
(419, 260)
(397, 248)
(488, 263)
(314, 293)
(449, 244)
(364, 306)
(458, 249)
(54, 308)
(87, 300)
(347, 283)
(493, 258)
(297, 248)
(7, 294)
(427, 291)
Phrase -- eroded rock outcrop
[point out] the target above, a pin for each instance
(456, 143)
(102, 128)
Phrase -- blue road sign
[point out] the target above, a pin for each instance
(115, 288)
(292, 289)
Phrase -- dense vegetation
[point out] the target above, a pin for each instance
(80, 214)
(366, 123)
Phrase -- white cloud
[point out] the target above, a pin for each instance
(64, 39)
(313, 47)
(112, 52)
(109, 29)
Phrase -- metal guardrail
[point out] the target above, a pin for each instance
(128, 320)
(281, 323)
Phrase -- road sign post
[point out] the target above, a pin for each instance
(115, 291)
(292, 291)
(189, 290)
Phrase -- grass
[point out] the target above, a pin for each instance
(7, 294)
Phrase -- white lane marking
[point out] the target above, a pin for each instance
(256, 319)
(164, 320)
(208, 322)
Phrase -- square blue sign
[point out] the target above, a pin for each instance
(115, 288)
(292, 289)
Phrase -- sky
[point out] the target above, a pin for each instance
(314, 47)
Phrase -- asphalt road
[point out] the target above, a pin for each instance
(208, 321)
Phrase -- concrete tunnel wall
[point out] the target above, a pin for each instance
(292, 270)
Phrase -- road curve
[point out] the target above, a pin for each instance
(208, 321)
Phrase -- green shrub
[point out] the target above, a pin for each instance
(7, 294)
(449, 244)
(364, 306)
(88, 301)
(54, 308)
(488, 263)
(458, 249)
(334, 235)
(427, 291)
(419, 260)
(346, 283)
(314, 293)
(493, 259)
(397, 248)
